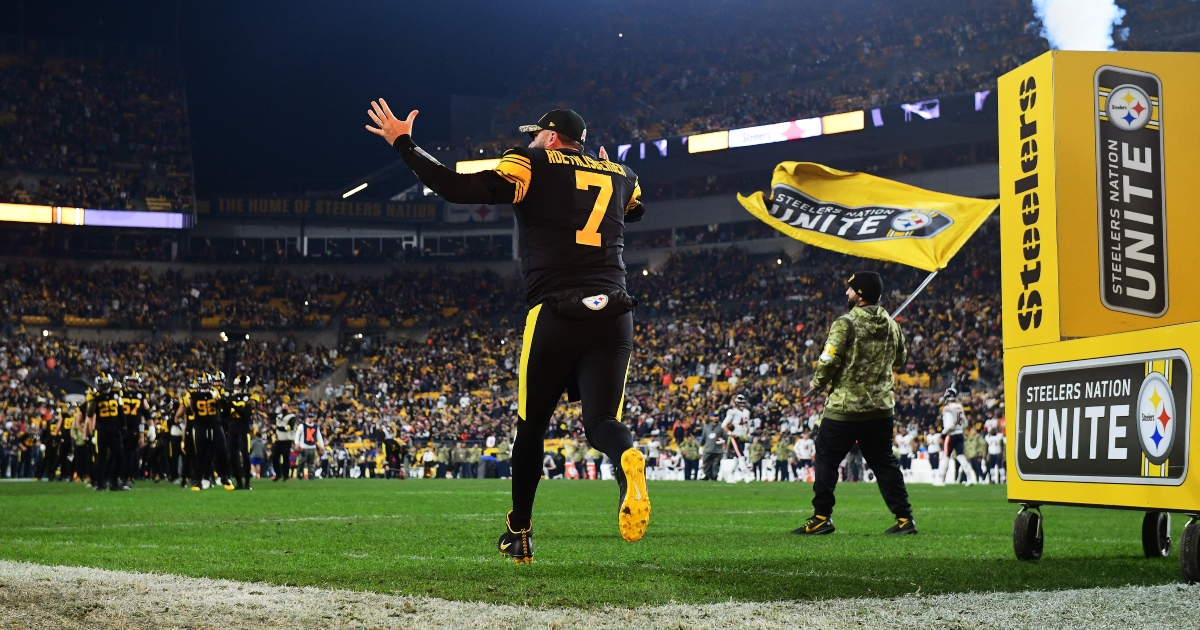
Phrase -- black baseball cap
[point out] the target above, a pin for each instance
(867, 284)
(563, 121)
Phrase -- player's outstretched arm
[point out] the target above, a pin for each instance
(483, 187)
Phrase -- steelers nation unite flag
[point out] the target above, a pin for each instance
(868, 216)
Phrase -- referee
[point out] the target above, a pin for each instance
(863, 347)
(571, 211)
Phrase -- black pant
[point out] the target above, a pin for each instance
(781, 470)
(555, 351)
(691, 469)
(132, 462)
(874, 438)
(175, 467)
(281, 452)
(239, 453)
(110, 453)
(49, 467)
(83, 464)
(212, 453)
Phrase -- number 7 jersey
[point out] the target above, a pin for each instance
(571, 210)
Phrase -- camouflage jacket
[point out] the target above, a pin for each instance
(690, 448)
(863, 347)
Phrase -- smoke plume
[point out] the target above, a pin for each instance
(1078, 24)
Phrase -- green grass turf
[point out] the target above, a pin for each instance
(707, 542)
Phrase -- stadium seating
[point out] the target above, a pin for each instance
(78, 131)
(713, 323)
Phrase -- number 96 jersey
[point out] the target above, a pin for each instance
(571, 210)
(203, 406)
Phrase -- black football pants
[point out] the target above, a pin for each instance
(239, 453)
(110, 458)
(555, 351)
(874, 438)
(281, 452)
(212, 453)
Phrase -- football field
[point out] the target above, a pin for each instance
(707, 543)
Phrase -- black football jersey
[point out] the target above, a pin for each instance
(571, 210)
(133, 406)
(238, 408)
(109, 411)
(204, 407)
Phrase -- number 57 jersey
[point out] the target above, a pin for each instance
(571, 211)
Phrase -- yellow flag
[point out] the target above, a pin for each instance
(864, 215)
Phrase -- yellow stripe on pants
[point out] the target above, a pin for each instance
(526, 342)
(624, 384)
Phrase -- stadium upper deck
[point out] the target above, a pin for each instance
(92, 126)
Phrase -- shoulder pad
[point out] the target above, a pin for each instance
(523, 152)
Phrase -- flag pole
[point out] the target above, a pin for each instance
(913, 295)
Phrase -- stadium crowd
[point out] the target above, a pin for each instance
(852, 55)
(713, 325)
(82, 132)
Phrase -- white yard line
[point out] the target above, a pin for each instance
(72, 597)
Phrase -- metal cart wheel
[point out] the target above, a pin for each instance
(1027, 534)
(1156, 534)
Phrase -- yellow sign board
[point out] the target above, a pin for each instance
(1097, 153)
(1105, 421)
(1101, 323)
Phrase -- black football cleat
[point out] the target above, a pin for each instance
(516, 544)
(633, 510)
(904, 525)
(816, 525)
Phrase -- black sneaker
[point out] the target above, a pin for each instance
(816, 525)
(518, 544)
(904, 525)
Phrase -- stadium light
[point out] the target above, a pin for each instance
(45, 333)
(354, 190)
(247, 336)
(645, 272)
(223, 336)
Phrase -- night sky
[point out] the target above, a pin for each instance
(278, 90)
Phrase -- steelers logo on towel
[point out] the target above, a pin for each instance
(1129, 107)
(1156, 418)
(910, 221)
(596, 302)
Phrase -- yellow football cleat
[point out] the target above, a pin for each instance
(195, 488)
(633, 516)
(229, 486)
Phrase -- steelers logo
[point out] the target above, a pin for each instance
(1156, 418)
(596, 302)
(911, 221)
(1129, 107)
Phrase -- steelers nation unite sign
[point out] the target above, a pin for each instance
(865, 223)
(1106, 420)
(863, 215)
(1131, 185)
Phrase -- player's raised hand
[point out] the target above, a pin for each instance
(389, 127)
(603, 155)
